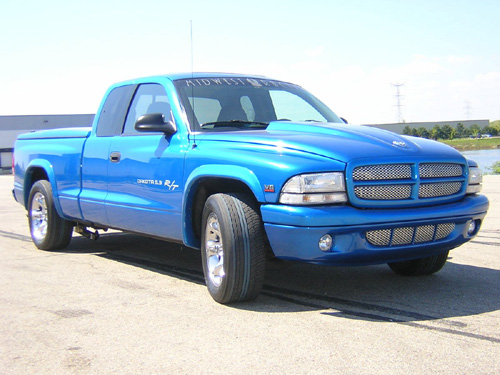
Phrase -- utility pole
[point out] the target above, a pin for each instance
(398, 97)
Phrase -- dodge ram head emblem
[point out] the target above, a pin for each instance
(399, 143)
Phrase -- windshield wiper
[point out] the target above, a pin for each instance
(235, 123)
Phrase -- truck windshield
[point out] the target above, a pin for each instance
(217, 104)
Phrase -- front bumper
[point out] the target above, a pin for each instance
(294, 232)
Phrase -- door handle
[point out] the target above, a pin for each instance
(115, 157)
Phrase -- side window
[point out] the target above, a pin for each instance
(149, 98)
(114, 110)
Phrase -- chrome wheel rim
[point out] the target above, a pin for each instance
(214, 251)
(38, 216)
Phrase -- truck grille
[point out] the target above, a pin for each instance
(409, 235)
(406, 182)
(432, 170)
(440, 189)
(383, 192)
(382, 172)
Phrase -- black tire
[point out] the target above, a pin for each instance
(420, 266)
(233, 248)
(48, 230)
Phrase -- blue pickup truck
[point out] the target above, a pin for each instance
(247, 168)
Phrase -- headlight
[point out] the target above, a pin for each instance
(475, 178)
(314, 188)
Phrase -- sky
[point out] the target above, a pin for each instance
(59, 57)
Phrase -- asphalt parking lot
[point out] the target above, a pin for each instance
(131, 305)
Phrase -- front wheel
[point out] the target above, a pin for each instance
(233, 248)
(48, 230)
(420, 266)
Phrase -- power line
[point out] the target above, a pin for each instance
(398, 97)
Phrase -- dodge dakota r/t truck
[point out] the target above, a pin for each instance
(247, 168)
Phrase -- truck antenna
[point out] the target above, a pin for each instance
(192, 53)
(192, 86)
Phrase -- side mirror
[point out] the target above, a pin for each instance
(155, 122)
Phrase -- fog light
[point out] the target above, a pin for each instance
(325, 242)
(473, 226)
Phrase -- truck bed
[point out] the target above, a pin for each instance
(44, 151)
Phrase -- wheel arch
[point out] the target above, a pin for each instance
(207, 180)
(37, 170)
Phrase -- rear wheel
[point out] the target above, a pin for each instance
(233, 248)
(48, 230)
(421, 266)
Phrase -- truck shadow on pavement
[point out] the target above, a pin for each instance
(369, 293)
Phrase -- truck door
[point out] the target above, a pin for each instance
(145, 172)
(95, 157)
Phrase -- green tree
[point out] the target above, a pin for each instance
(490, 130)
(496, 167)
(436, 132)
(474, 130)
(407, 130)
(496, 125)
(447, 132)
(461, 131)
(423, 132)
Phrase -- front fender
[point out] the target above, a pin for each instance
(232, 172)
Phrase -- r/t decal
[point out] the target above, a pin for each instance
(171, 185)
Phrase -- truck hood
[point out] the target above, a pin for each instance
(340, 142)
